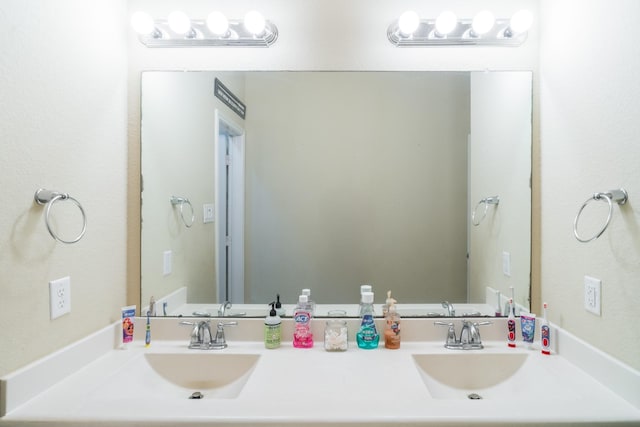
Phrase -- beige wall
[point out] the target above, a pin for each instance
(63, 95)
(590, 133)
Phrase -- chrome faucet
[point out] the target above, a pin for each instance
(450, 310)
(223, 308)
(201, 337)
(469, 335)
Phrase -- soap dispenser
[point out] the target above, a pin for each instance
(272, 328)
(367, 336)
(392, 325)
(302, 335)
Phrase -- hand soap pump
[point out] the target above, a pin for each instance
(272, 328)
(302, 335)
(392, 327)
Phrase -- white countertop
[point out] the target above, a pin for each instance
(291, 386)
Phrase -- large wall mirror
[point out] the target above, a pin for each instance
(333, 180)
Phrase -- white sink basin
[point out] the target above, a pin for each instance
(457, 375)
(213, 375)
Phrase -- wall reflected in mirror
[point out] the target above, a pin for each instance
(333, 180)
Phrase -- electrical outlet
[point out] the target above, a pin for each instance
(207, 213)
(60, 297)
(506, 264)
(592, 288)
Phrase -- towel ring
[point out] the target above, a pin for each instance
(49, 198)
(184, 201)
(493, 200)
(619, 196)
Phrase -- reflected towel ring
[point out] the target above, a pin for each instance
(49, 198)
(493, 200)
(619, 196)
(184, 201)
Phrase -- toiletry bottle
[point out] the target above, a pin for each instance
(392, 327)
(279, 310)
(272, 328)
(545, 333)
(388, 302)
(302, 336)
(511, 326)
(363, 289)
(312, 304)
(367, 336)
(498, 313)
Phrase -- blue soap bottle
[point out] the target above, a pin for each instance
(367, 336)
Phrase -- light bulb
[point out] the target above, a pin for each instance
(446, 22)
(521, 21)
(179, 22)
(254, 22)
(217, 23)
(142, 23)
(483, 22)
(408, 22)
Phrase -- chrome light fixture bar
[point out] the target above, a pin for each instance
(447, 30)
(201, 33)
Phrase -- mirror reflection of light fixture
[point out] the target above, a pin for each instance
(178, 30)
(447, 30)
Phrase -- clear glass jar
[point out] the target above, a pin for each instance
(336, 335)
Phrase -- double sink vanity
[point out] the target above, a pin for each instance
(95, 382)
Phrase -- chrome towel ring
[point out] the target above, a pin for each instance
(493, 200)
(175, 200)
(49, 198)
(619, 196)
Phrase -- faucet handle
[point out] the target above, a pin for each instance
(451, 333)
(220, 341)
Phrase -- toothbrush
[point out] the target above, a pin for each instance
(147, 337)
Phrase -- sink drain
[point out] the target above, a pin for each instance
(196, 395)
(474, 396)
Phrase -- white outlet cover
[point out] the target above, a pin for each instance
(60, 297)
(208, 213)
(506, 264)
(592, 295)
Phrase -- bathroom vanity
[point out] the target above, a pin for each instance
(95, 382)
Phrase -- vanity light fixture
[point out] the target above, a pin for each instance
(178, 30)
(447, 30)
